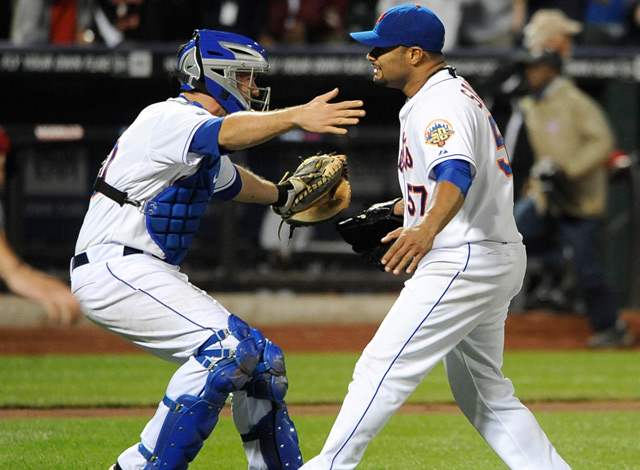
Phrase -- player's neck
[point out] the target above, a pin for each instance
(207, 102)
(421, 77)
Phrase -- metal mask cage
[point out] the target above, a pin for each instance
(257, 102)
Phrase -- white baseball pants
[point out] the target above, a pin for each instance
(453, 309)
(151, 304)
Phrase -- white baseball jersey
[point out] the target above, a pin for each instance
(447, 120)
(149, 157)
(454, 307)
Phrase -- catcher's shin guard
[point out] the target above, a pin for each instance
(275, 432)
(278, 439)
(191, 419)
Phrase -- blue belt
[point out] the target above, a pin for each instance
(82, 258)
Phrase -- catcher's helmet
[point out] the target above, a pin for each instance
(209, 62)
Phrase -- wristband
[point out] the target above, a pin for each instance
(283, 194)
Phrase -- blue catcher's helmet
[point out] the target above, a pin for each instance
(210, 61)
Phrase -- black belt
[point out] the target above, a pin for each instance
(82, 258)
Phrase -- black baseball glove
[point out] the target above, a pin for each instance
(364, 231)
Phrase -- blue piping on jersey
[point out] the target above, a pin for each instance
(157, 300)
(400, 352)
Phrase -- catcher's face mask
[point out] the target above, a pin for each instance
(212, 62)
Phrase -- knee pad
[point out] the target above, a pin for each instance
(246, 355)
(231, 374)
(268, 380)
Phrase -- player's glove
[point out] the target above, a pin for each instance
(316, 192)
(364, 231)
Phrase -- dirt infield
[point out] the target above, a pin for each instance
(313, 410)
(524, 331)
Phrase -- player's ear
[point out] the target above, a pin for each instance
(415, 54)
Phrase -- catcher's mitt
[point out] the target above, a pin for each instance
(316, 192)
(364, 231)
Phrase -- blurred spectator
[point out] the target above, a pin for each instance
(31, 22)
(449, 11)
(6, 13)
(173, 20)
(551, 29)
(307, 21)
(489, 23)
(604, 22)
(501, 93)
(74, 21)
(632, 25)
(574, 9)
(22, 279)
(361, 14)
(524, 10)
(565, 203)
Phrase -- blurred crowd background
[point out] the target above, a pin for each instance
(470, 23)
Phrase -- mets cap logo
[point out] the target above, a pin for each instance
(438, 132)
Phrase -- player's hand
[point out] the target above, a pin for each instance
(62, 307)
(320, 116)
(411, 244)
(54, 295)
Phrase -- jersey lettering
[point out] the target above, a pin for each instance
(102, 173)
(503, 163)
(108, 160)
(505, 167)
(496, 133)
(418, 193)
(470, 92)
(405, 161)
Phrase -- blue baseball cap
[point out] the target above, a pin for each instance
(405, 25)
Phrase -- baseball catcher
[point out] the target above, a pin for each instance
(316, 192)
(364, 231)
(150, 196)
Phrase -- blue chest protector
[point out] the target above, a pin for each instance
(173, 216)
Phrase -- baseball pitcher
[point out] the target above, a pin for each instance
(460, 243)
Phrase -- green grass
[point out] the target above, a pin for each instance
(140, 380)
(602, 440)
(606, 441)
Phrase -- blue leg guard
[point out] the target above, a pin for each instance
(275, 432)
(191, 419)
(189, 422)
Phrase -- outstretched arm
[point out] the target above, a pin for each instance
(249, 128)
(255, 188)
